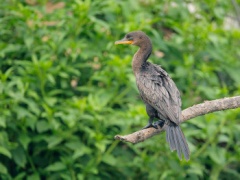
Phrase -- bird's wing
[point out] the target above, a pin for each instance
(158, 89)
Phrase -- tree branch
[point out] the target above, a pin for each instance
(189, 113)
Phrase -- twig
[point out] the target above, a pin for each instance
(189, 113)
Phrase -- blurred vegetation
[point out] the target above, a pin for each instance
(66, 90)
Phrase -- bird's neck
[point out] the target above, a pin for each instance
(140, 57)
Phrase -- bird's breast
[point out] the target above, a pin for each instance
(146, 89)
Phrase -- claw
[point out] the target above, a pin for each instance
(160, 123)
(149, 125)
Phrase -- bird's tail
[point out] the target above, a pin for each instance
(177, 141)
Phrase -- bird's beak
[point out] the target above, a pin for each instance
(123, 41)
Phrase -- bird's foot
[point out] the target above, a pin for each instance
(151, 125)
(159, 123)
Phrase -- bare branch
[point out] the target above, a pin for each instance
(189, 113)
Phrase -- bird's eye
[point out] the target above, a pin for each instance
(129, 37)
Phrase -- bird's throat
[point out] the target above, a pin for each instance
(140, 58)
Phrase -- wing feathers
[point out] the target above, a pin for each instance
(158, 89)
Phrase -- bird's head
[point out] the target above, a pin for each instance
(137, 38)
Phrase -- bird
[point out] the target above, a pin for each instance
(158, 92)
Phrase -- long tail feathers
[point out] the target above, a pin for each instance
(177, 141)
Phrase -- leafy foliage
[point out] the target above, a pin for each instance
(66, 90)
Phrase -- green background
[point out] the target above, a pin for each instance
(66, 90)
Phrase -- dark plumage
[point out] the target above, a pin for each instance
(158, 91)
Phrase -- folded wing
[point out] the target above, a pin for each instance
(158, 89)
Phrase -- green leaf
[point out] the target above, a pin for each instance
(25, 140)
(42, 126)
(218, 155)
(19, 156)
(57, 166)
(109, 159)
(5, 152)
(3, 169)
(2, 121)
(53, 141)
(20, 176)
(34, 177)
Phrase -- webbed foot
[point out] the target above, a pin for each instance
(151, 125)
(159, 123)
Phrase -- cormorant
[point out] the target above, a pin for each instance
(158, 91)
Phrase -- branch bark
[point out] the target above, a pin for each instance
(189, 113)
